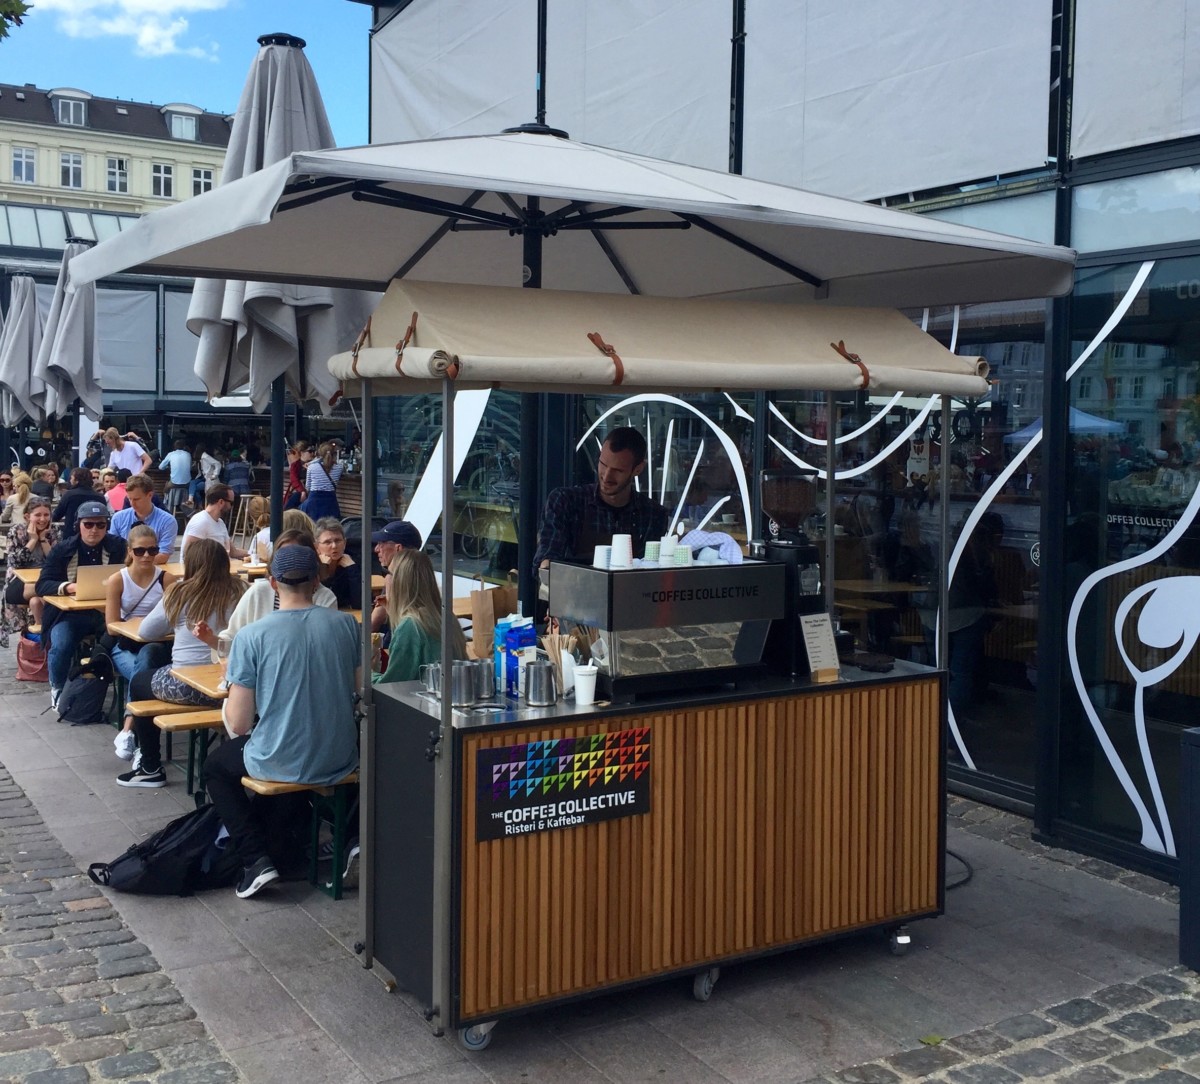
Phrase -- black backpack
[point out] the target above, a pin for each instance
(177, 860)
(83, 698)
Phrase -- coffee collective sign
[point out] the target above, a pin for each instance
(562, 783)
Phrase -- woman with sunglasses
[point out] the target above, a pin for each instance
(28, 545)
(6, 484)
(14, 505)
(134, 593)
(196, 608)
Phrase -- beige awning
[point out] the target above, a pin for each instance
(549, 340)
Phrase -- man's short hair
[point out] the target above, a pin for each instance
(217, 491)
(111, 433)
(627, 439)
(141, 483)
(123, 475)
(80, 477)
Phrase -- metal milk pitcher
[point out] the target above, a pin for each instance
(485, 679)
(541, 684)
(462, 683)
(431, 677)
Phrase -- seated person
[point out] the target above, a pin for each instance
(196, 608)
(261, 598)
(29, 544)
(305, 730)
(209, 523)
(134, 593)
(414, 606)
(93, 545)
(338, 571)
(81, 490)
(142, 511)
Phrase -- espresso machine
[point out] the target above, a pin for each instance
(788, 497)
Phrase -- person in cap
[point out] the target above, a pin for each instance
(577, 519)
(305, 730)
(262, 598)
(92, 545)
(397, 535)
(142, 511)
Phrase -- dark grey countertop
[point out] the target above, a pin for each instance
(513, 713)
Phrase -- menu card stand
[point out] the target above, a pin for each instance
(821, 647)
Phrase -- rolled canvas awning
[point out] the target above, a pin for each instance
(550, 340)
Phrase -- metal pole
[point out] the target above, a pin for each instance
(541, 62)
(443, 765)
(366, 731)
(737, 87)
(277, 457)
(943, 625)
(530, 428)
(831, 412)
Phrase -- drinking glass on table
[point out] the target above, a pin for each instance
(224, 643)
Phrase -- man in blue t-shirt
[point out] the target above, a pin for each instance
(142, 510)
(297, 670)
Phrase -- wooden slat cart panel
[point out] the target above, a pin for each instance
(772, 822)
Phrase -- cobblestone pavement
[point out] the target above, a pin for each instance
(1143, 1031)
(80, 998)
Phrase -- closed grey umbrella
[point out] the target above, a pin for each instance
(252, 332)
(21, 394)
(67, 359)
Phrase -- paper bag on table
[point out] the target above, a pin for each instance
(488, 605)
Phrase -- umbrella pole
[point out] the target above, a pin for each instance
(366, 725)
(275, 501)
(830, 475)
(943, 624)
(444, 748)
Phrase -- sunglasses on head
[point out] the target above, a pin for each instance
(141, 551)
(93, 524)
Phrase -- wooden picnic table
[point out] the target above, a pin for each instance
(207, 678)
(131, 629)
(71, 604)
(236, 566)
(28, 575)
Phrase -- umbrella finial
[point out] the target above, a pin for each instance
(282, 39)
(537, 129)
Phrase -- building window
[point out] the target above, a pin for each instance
(202, 181)
(1018, 395)
(1139, 351)
(72, 169)
(1137, 387)
(24, 165)
(183, 127)
(1084, 384)
(1118, 387)
(1168, 387)
(162, 180)
(118, 174)
(71, 111)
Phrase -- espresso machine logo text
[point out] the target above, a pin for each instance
(702, 593)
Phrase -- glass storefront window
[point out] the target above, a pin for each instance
(1133, 550)
(1153, 209)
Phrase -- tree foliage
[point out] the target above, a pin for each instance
(11, 12)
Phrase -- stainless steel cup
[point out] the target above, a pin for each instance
(541, 684)
(462, 683)
(431, 676)
(485, 679)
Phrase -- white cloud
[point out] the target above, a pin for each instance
(156, 27)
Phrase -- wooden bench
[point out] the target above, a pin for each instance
(149, 709)
(331, 803)
(198, 725)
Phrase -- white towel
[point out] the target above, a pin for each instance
(726, 545)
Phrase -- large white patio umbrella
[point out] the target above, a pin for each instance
(66, 361)
(21, 394)
(471, 209)
(253, 332)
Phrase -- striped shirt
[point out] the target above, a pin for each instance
(321, 481)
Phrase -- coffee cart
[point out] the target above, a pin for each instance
(704, 811)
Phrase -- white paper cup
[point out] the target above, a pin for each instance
(622, 551)
(652, 550)
(729, 519)
(602, 557)
(585, 685)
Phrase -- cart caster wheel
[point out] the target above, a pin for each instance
(702, 984)
(901, 939)
(476, 1037)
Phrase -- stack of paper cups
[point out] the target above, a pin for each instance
(603, 557)
(683, 556)
(652, 549)
(622, 551)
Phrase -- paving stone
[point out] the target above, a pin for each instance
(99, 937)
(1124, 995)
(1035, 1062)
(1091, 1074)
(155, 980)
(75, 1010)
(67, 1074)
(127, 1065)
(153, 1015)
(1143, 1060)
(90, 1049)
(30, 999)
(15, 985)
(1026, 1026)
(97, 1025)
(58, 979)
(121, 950)
(86, 989)
(1186, 1045)
(28, 1038)
(867, 1074)
(1089, 1044)
(1177, 1011)
(220, 1072)
(185, 1031)
(11, 1021)
(1138, 1027)
(1170, 1076)
(205, 1050)
(1164, 984)
(1078, 1012)
(980, 1043)
(28, 1061)
(983, 1074)
(140, 999)
(924, 1060)
(67, 959)
(139, 965)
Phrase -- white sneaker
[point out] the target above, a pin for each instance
(54, 695)
(125, 744)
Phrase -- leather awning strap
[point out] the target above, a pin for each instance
(598, 342)
(840, 347)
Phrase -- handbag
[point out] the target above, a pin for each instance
(31, 661)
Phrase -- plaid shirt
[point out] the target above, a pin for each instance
(575, 511)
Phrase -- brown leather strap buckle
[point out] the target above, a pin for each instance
(611, 352)
(363, 336)
(840, 347)
(408, 335)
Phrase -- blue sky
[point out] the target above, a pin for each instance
(196, 51)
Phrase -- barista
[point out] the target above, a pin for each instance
(577, 519)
